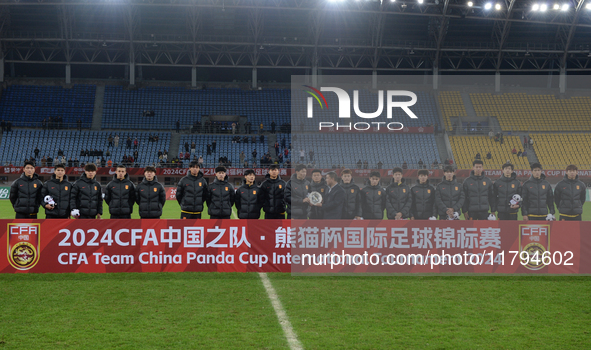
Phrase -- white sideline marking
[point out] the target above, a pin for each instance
(292, 338)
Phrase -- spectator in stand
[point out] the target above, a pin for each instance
(79, 124)
(477, 156)
(128, 142)
(524, 154)
(519, 153)
(193, 148)
(187, 147)
(311, 156)
(136, 155)
(242, 157)
(404, 165)
(214, 146)
(110, 163)
(178, 126)
(43, 161)
(262, 138)
(261, 128)
(70, 163)
(135, 143)
(488, 155)
(116, 140)
(514, 151)
(110, 140)
(254, 155)
(525, 142)
(421, 164)
(359, 164)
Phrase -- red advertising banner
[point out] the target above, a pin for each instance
(298, 246)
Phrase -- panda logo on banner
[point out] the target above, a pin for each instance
(535, 240)
(23, 245)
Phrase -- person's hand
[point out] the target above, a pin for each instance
(525, 218)
(412, 217)
(398, 216)
(358, 218)
(450, 212)
(515, 206)
(98, 216)
(306, 200)
(467, 216)
(49, 206)
(319, 205)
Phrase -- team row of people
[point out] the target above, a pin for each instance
(478, 197)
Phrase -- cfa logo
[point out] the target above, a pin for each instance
(345, 102)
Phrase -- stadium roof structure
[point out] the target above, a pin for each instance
(302, 35)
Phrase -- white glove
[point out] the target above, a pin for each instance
(432, 218)
(49, 200)
(75, 213)
(492, 217)
(550, 217)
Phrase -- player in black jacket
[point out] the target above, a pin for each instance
(352, 205)
(423, 198)
(221, 196)
(150, 195)
(25, 193)
(318, 184)
(538, 197)
(504, 189)
(398, 197)
(296, 194)
(120, 195)
(479, 196)
(248, 198)
(570, 195)
(87, 195)
(373, 198)
(272, 194)
(449, 195)
(59, 189)
(192, 193)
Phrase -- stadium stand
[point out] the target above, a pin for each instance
(28, 105)
(465, 149)
(169, 104)
(523, 112)
(451, 105)
(224, 148)
(425, 109)
(344, 149)
(20, 144)
(556, 151)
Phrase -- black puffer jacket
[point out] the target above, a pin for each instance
(221, 198)
(150, 197)
(423, 201)
(273, 196)
(398, 200)
(570, 196)
(192, 193)
(120, 196)
(504, 189)
(248, 202)
(449, 194)
(538, 198)
(60, 192)
(322, 188)
(352, 205)
(25, 194)
(373, 202)
(478, 192)
(87, 196)
(295, 192)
